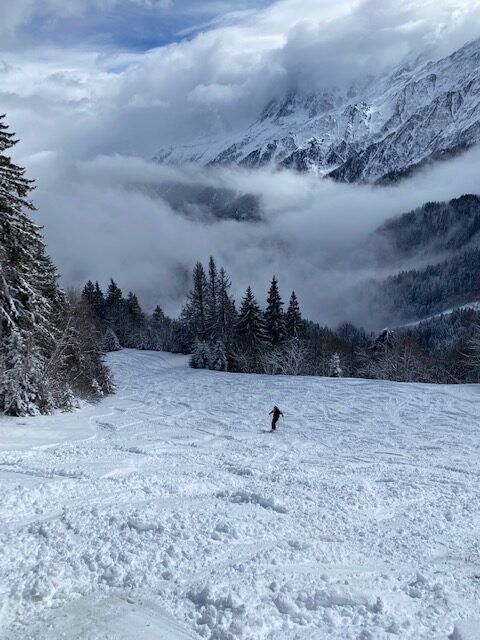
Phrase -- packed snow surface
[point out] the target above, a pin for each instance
(170, 512)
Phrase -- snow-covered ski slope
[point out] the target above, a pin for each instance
(167, 513)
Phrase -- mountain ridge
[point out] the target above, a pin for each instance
(377, 131)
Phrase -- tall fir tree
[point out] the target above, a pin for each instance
(194, 315)
(49, 347)
(135, 324)
(88, 293)
(211, 303)
(251, 324)
(115, 311)
(98, 303)
(27, 288)
(160, 331)
(293, 318)
(274, 318)
(226, 312)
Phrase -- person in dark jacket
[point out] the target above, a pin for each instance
(276, 415)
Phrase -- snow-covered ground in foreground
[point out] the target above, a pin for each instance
(172, 514)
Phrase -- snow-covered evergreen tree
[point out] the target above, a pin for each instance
(201, 355)
(218, 356)
(23, 386)
(48, 349)
(334, 366)
(27, 284)
(110, 341)
(274, 318)
(293, 318)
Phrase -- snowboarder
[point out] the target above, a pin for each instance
(276, 415)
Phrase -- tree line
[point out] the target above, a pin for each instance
(276, 339)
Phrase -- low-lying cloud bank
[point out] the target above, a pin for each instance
(104, 218)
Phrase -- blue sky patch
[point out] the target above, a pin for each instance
(135, 25)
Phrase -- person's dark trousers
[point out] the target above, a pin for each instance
(274, 425)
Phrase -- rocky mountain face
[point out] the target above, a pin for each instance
(375, 132)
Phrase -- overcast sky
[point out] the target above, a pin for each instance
(94, 88)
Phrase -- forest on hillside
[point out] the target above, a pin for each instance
(276, 339)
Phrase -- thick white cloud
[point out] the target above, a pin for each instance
(104, 218)
(73, 106)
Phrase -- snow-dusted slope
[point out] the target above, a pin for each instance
(377, 131)
(183, 518)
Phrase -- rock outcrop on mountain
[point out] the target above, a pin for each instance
(378, 131)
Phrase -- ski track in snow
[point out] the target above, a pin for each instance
(171, 514)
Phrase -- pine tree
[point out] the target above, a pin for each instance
(110, 341)
(23, 388)
(135, 324)
(93, 295)
(134, 310)
(334, 367)
(201, 355)
(115, 316)
(160, 331)
(226, 312)
(211, 304)
(99, 301)
(293, 319)
(218, 357)
(49, 347)
(194, 313)
(88, 293)
(251, 325)
(27, 287)
(274, 318)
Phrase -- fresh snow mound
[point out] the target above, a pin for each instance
(167, 512)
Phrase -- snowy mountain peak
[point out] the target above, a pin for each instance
(378, 131)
